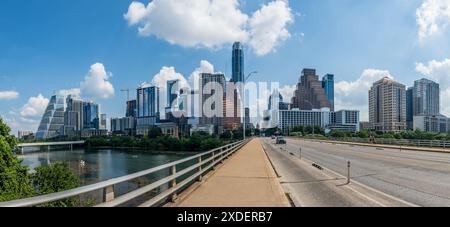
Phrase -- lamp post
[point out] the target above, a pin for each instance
(243, 100)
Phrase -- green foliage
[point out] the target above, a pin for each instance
(55, 178)
(17, 183)
(14, 178)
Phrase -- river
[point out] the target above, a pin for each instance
(96, 165)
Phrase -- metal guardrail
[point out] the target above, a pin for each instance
(209, 159)
(399, 142)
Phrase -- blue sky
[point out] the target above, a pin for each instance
(50, 45)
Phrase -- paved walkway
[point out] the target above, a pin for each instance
(247, 179)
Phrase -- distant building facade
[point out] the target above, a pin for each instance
(431, 123)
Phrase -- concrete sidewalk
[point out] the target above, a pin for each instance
(247, 179)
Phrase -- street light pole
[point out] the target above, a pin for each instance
(243, 100)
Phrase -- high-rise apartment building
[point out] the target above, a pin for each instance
(238, 63)
(328, 86)
(73, 116)
(426, 97)
(52, 121)
(387, 106)
(310, 93)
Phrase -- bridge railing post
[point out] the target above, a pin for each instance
(200, 177)
(108, 194)
(173, 171)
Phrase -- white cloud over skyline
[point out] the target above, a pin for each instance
(96, 83)
(433, 16)
(354, 95)
(212, 23)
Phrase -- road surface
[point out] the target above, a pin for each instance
(393, 177)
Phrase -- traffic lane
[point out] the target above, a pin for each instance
(415, 181)
(309, 186)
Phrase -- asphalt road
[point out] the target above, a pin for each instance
(419, 178)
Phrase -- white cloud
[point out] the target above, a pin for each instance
(438, 71)
(160, 80)
(194, 78)
(74, 91)
(96, 83)
(35, 107)
(354, 94)
(212, 23)
(268, 27)
(8, 95)
(288, 92)
(433, 16)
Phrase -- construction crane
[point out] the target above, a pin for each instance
(128, 93)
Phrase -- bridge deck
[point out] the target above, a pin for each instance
(247, 179)
(50, 144)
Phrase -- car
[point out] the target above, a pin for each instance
(273, 137)
(281, 140)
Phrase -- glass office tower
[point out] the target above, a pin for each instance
(328, 86)
(52, 121)
(91, 115)
(238, 63)
(148, 101)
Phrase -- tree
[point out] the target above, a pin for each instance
(14, 178)
(55, 178)
(17, 183)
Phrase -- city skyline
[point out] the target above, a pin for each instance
(82, 59)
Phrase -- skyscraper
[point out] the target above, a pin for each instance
(387, 106)
(328, 85)
(148, 114)
(91, 115)
(238, 63)
(213, 114)
(148, 101)
(310, 93)
(426, 97)
(73, 117)
(52, 121)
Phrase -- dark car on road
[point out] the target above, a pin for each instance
(281, 140)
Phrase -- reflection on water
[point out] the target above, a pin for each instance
(92, 166)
